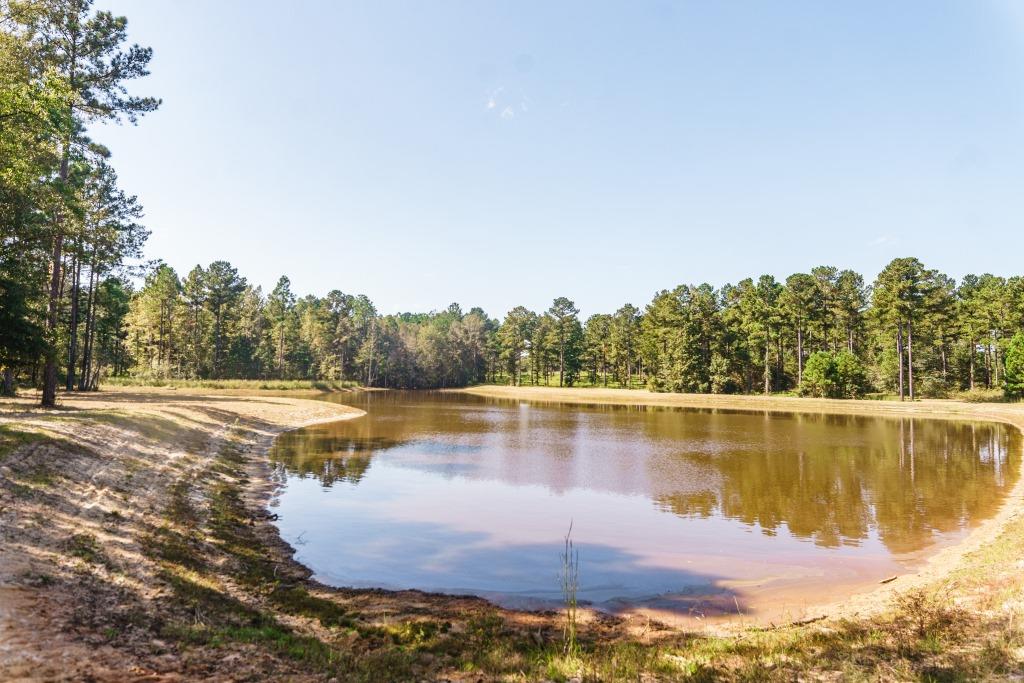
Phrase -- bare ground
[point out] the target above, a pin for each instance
(80, 595)
(134, 545)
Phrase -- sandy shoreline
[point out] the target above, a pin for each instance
(94, 487)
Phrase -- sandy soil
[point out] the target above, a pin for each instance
(857, 601)
(103, 478)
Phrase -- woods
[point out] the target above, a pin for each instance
(913, 332)
(77, 306)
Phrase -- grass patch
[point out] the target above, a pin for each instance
(270, 636)
(41, 477)
(11, 438)
(85, 547)
(246, 384)
(982, 396)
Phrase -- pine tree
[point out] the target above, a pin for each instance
(85, 50)
(1014, 377)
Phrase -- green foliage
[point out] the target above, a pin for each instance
(566, 339)
(833, 375)
(63, 220)
(21, 336)
(753, 336)
(1014, 382)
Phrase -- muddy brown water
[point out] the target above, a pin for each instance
(677, 512)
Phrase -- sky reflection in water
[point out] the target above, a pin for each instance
(461, 494)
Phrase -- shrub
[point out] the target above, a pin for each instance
(833, 375)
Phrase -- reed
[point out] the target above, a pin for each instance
(570, 584)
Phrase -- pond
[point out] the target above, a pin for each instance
(694, 513)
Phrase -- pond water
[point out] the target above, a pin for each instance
(673, 511)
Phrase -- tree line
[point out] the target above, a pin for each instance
(912, 332)
(214, 324)
(73, 310)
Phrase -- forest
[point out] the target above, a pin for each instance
(78, 304)
(911, 332)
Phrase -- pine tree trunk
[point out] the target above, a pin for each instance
(280, 355)
(7, 388)
(767, 368)
(76, 268)
(945, 373)
(910, 359)
(49, 398)
(995, 359)
(971, 355)
(988, 366)
(899, 354)
(561, 364)
(799, 357)
(216, 343)
(90, 330)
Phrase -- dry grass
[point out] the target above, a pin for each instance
(1012, 413)
(235, 384)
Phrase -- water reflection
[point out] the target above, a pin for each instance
(454, 492)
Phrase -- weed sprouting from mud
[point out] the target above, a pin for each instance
(570, 576)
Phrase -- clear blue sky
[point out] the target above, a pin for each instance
(504, 153)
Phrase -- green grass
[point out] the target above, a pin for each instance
(11, 439)
(85, 547)
(245, 384)
(982, 396)
(582, 382)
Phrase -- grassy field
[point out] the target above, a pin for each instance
(141, 519)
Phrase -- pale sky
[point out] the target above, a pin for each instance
(505, 153)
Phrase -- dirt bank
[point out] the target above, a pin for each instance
(82, 493)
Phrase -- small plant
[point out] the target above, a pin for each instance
(927, 618)
(570, 584)
(85, 547)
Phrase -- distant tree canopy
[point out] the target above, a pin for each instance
(823, 333)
